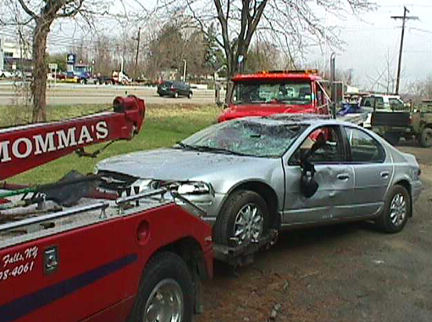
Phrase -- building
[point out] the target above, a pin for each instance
(13, 55)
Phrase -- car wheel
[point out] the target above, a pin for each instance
(243, 218)
(392, 137)
(397, 209)
(160, 95)
(176, 95)
(425, 138)
(190, 95)
(2, 76)
(166, 291)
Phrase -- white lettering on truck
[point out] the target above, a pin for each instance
(24, 147)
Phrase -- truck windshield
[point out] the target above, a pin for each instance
(286, 92)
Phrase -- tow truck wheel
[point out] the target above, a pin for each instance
(166, 291)
(425, 138)
(190, 95)
(243, 218)
(176, 95)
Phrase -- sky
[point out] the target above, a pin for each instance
(370, 41)
(374, 39)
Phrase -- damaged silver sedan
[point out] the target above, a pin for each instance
(256, 175)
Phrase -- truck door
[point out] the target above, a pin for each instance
(66, 277)
(335, 179)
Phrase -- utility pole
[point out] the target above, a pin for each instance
(137, 51)
(404, 18)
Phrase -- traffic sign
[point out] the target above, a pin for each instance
(52, 66)
(71, 59)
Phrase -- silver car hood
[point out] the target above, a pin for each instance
(176, 164)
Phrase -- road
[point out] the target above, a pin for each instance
(349, 272)
(67, 94)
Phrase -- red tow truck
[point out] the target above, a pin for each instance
(71, 252)
(277, 92)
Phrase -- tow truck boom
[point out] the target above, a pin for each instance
(25, 147)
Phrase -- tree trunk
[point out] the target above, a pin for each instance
(40, 71)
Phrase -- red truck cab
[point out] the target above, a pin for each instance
(276, 92)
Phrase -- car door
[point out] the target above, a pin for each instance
(373, 170)
(334, 177)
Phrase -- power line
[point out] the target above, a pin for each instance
(404, 18)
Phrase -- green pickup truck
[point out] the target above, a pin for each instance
(413, 123)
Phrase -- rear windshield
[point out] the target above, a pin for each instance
(293, 92)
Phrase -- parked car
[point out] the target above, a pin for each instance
(253, 175)
(174, 89)
(6, 74)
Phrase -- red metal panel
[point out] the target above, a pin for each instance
(26, 147)
(93, 279)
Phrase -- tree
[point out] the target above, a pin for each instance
(39, 16)
(263, 55)
(290, 24)
(59, 59)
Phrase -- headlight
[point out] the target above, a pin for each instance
(195, 188)
(140, 185)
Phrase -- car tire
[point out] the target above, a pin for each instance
(425, 138)
(160, 95)
(397, 209)
(190, 95)
(2, 76)
(166, 275)
(243, 217)
(392, 137)
(176, 95)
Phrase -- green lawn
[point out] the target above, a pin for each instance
(163, 126)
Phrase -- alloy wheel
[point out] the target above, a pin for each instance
(398, 209)
(248, 224)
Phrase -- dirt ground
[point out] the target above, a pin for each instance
(349, 272)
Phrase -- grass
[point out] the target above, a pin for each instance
(163, 126)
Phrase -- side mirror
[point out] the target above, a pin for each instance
(308, 184)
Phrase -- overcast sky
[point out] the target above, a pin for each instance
(370, 41)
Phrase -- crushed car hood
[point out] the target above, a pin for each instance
(174, 164)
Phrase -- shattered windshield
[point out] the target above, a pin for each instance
(246, 137)
(293, 92)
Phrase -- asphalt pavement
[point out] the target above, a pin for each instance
(67, 94)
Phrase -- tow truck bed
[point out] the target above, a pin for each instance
(86, 262)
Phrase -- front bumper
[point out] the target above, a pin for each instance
(210, 204)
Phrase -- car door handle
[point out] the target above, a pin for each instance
(343, 176)
(385, 174)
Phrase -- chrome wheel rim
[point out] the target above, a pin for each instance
(165, 303)
(398, 209)
(248, 224)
